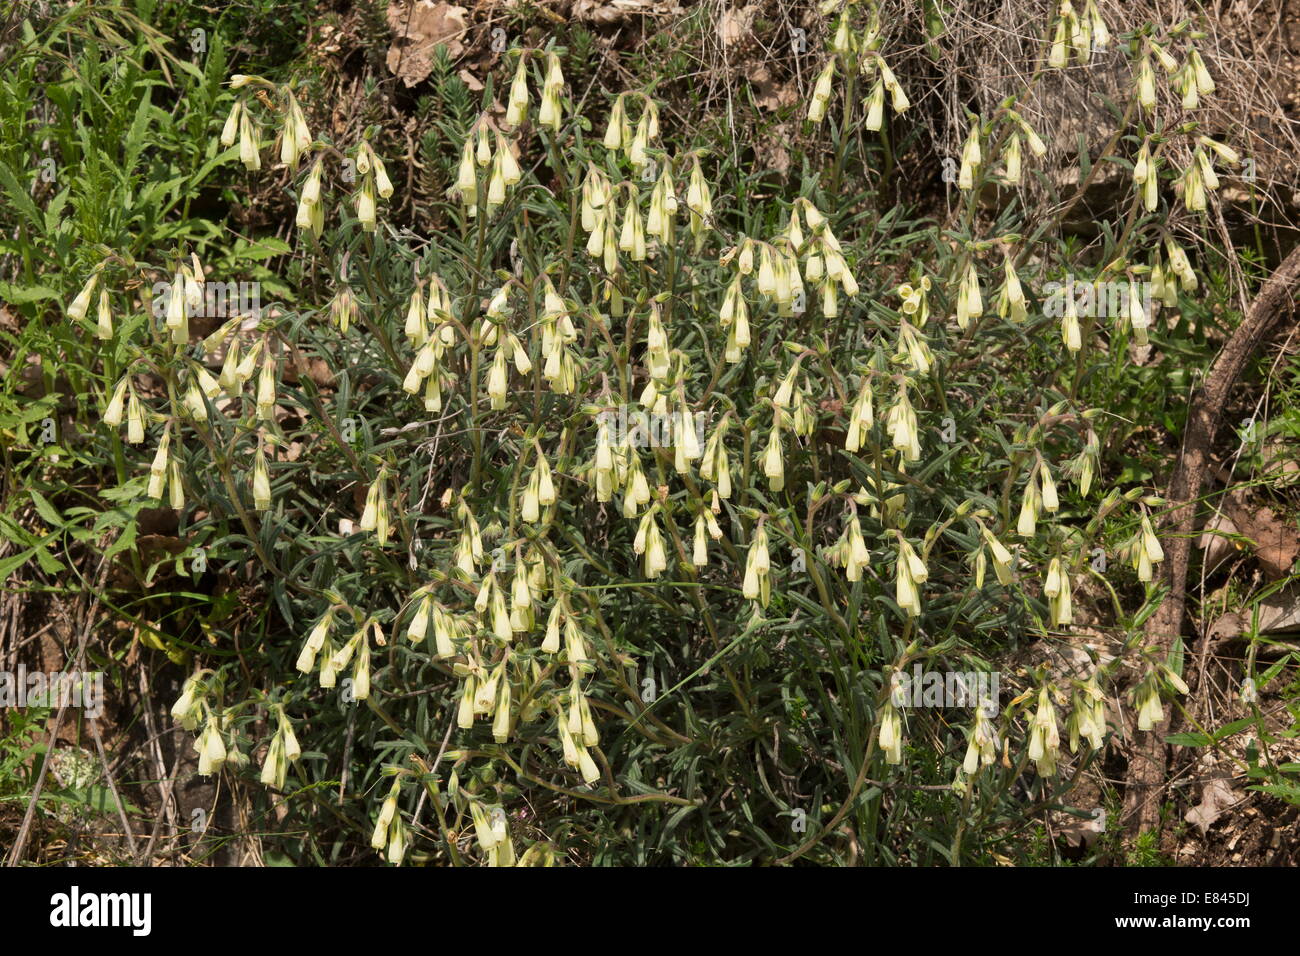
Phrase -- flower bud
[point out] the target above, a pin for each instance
(1146, 85)
(1044, 737)
(365, 203)
(891, 734)
(186, 708)
(971, 157)
(230, 131)
(116, 403)
(134, 418)
(158, 470)
(248, 143)
(821, 92)
(501, 712)
(617, 120)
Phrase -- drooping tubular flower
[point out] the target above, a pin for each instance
(853, 549)
(686, 443)
(757, 583)
(1044, 737)
(283, 750)
(699, 199)
(617, 133)
(773, 458)
(81, 304)
(418, 626)
(700, 544)
(1011, 161)
(261, 481)
(230, 131)
(663, 208)
(187, 709)
(1071, 334)
(316, 641)
(897, 98)
(603, 464)
(491, 606)
(580, 722)
(295, 137)
(446, 629)
(1035, 142)
(1059, 54)
(1003, 561)
(248, 142)
(1049, 497)
(632, 237)
(1150, 710)
(575, 749)
(842, 39)
(521, 601)
(158, 469)
(498, 379)
(365, 206)
(875, 107)
(311, 212)
(201, 386)
(715, 465)
(374, 179)
(914, 349)
(636, 151)
(467, 176)
(266, 387)
(1146, 550)
(734, 307)
(117, 402)
(915, 303)
(1163, 57)
(501, 708)
(211, 748)
(1195, 184)
(1204, 82)
(1146, 84)
(1146, 177)
(374, 517)
(390, 830)
(540, 491)
(1097, 26)
(1193, 82)
(1030, 505)
(1180, 264)
(177, 320)
(134, 418)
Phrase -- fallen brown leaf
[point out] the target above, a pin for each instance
(1217, 796)
(418, 29)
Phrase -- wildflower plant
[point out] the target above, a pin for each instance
(535, 625)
